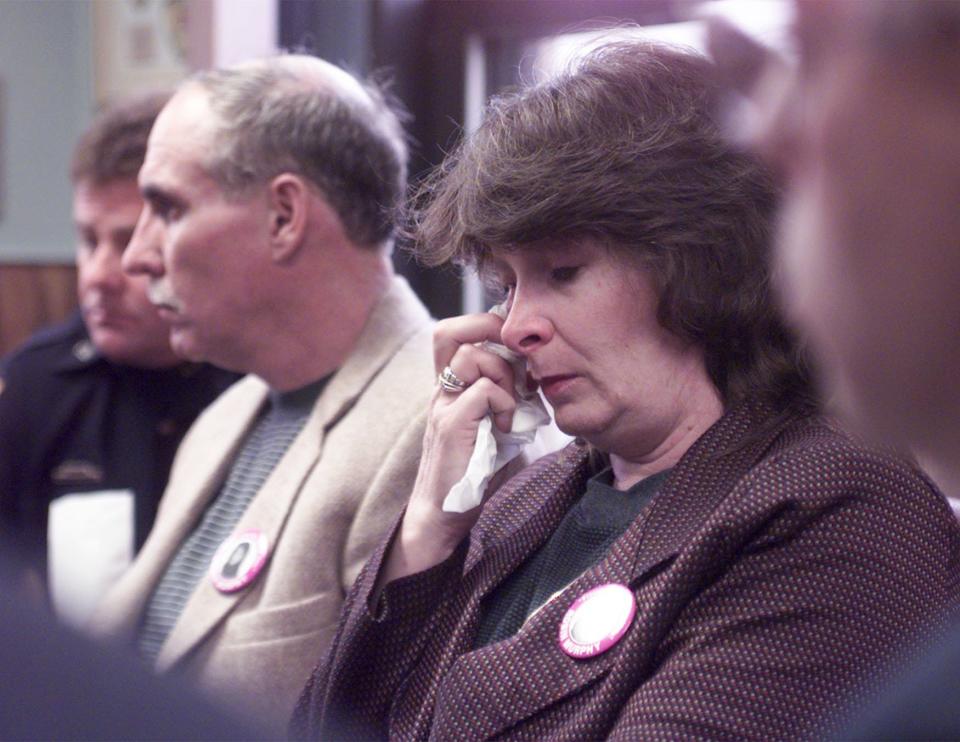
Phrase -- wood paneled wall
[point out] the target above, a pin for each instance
(32, 296)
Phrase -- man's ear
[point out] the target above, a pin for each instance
(288, 214)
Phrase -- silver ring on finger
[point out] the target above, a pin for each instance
(450, 382)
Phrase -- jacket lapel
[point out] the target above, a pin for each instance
(207, 606)
(521, 516)
(532, 671)
(197, 473)
(706, 474)
(397, 316)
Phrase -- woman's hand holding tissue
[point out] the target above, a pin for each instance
(429, 533)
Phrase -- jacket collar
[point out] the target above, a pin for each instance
(705, 475)
(701, 479)
(397, 317)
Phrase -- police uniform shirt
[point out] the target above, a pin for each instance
(72, 422)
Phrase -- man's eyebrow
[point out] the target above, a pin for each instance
(157, 195)
(153, 193)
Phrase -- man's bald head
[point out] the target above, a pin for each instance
(296, 113)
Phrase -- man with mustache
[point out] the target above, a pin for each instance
(92, 411)
(271, 193)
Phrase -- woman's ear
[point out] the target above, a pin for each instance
(288, 215)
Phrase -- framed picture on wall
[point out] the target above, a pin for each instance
(142, 45)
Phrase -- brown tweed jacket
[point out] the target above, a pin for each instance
(774, 575)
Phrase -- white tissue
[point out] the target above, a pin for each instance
(494, 449)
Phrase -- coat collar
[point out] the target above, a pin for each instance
(522, 518)
(705, 475)
(397, 316)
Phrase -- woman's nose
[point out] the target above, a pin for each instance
(526, 327)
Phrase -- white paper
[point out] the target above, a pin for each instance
(955, 504)
(89, 545)
(495, 449)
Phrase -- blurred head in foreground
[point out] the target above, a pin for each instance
(865, 133)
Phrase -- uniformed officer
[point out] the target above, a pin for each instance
(92, 411)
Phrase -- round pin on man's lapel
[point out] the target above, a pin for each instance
(239, 559)
(597, 620)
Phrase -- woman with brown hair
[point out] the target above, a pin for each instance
(710, 558)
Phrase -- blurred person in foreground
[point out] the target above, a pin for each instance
(711, 559)
(58, 685)
(864, 135)
(92, 410)
(864, 131)
(271, 193)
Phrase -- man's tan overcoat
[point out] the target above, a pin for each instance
(324, 508)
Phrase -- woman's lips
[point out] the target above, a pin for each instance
(553, 386)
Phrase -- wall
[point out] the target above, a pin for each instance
(32, 296)
(337, 30)
(46, 89)
(243, 29)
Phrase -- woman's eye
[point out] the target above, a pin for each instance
(499, 288)
(166, 210)
(565, 273)
(170, 213)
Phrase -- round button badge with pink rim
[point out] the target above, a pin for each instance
(597, 620)
(238, 560)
